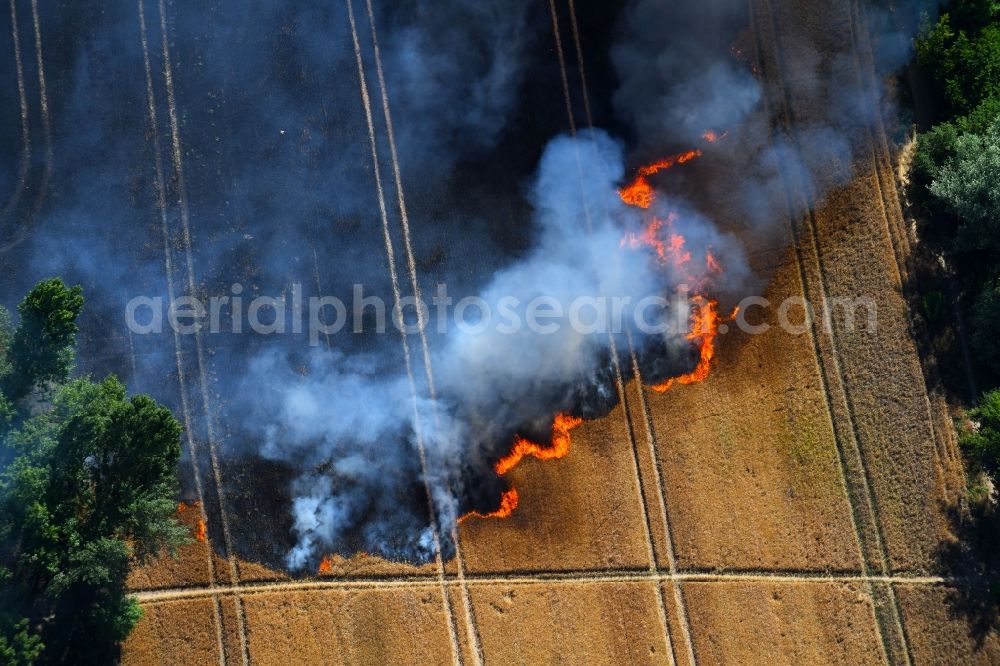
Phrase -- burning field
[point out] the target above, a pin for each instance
(716, 479)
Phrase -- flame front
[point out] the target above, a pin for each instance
(640, 192)
(523, 447)
(670, 249)
(561, 427)
(704, 329)
(508, 502)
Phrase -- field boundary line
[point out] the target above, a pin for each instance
(394, 277)
(596, 576)
(182, 201)
(661, 605)
(161, 204)
(22, 176)
(865, 477)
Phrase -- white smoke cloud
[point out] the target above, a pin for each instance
(355, 431)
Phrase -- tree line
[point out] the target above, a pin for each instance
(955, 187)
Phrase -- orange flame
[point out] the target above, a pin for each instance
(561, 427)
(508, 502)
(713, 264)
(669, 251)
(669, 247)
(522, 447)
(704, 327)
(200, 532)
(640, 192)
(325, 565)
(713, 137)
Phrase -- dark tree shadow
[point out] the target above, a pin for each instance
(973, 561)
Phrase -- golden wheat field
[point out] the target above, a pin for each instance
(796, 518)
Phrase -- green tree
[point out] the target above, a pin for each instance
(961, 52)
(20, 645)
(978, 121)
(981, 439)
(41, 348)
(89, 491)
(969, 186)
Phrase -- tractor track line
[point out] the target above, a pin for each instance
(892, 213)
(643, 405)
(661, 604)
(394, 277)
(21, 232)
(182, 201)
(22, 174)
(161, 205)
(866, 480)
(805, 281)
(472, 630)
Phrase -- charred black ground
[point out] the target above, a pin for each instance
(253, 120)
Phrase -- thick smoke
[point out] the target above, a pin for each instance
(677, 78)
(279, 185)
(278, 182)
(352, 430)
(703, 74)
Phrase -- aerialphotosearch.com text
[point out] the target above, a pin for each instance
(319, 317)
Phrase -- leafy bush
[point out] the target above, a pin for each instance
(935, 148)
(934, 307)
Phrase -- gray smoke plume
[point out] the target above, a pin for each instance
(279, 188)
(352, 429)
